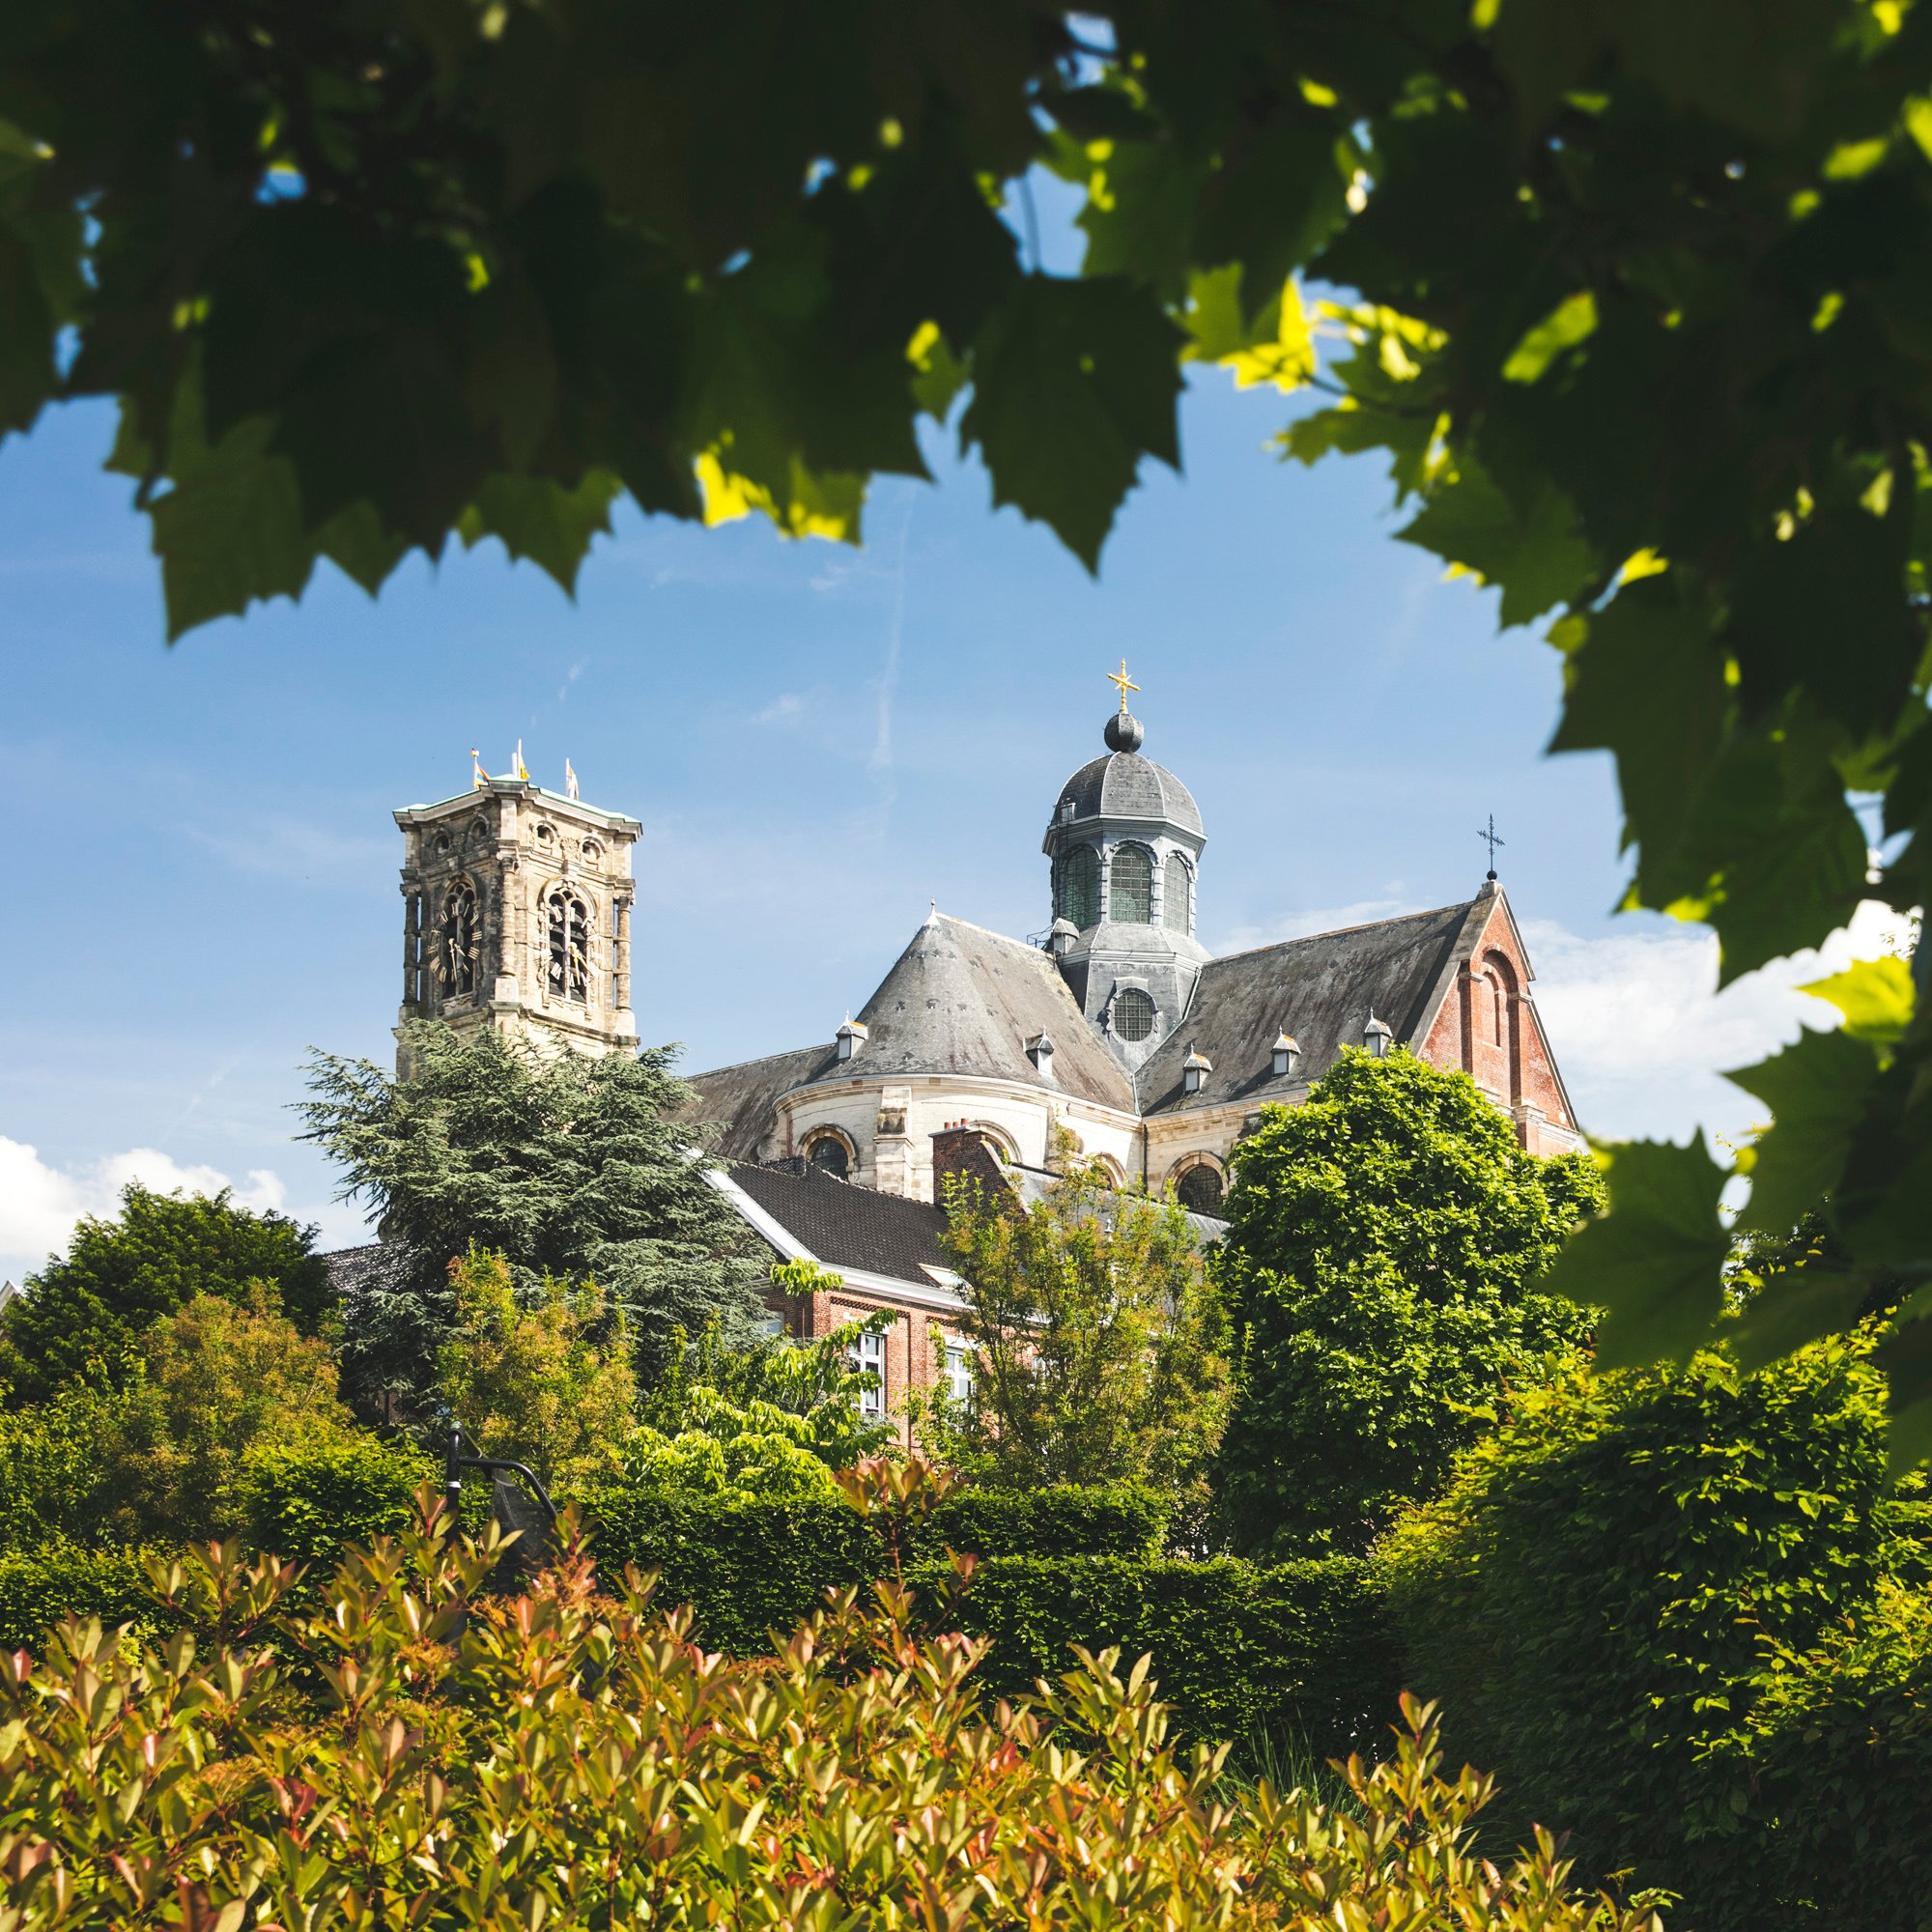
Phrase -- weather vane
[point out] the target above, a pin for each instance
(1125, 683)
(1491, 838)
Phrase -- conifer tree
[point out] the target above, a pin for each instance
(578, 1168)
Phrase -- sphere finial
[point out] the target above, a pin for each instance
(1124, 732)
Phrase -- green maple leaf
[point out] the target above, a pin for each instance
(1073, 382)
(541, 520)
(1534, 550)
(1817, 1090)
(1654, 1262)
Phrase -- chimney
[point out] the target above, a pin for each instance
(1287, 1053)
(851, 1038)
(970, 1155)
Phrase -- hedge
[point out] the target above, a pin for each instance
(39, 1587)
(1610, 1599)
(1300, 1650)
(309, 1503)
(1068, 1519)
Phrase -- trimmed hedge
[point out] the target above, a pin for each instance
(309, 1503)
(1300, 1650)
(1068, 1519)
(745, 1568)
(39, 1587)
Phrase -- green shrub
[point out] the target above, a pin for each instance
(1301, 1650)
(39, 1587)
(561, 1765)
(311, 1501)
(745, 1568)
(1598, 1598)
(1067, 1519)
(1838, 1750)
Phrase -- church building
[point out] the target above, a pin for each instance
(1125, 1030)
(1122, 1030)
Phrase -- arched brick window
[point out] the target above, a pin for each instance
(1199, 1190)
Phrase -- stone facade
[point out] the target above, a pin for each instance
(517, 916)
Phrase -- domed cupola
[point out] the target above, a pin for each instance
(1126, 850)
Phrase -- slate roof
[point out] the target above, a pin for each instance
(848, 1227)
(1320, 988)
(959, 1000)
(738, 1100)
(962, 999)
(1123, 784)
(353, 1269)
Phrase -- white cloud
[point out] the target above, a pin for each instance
(39, 1203)
(1392, 902)
(789, 705)
(1643, 1036)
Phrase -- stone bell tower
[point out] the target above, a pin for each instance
(517, 916)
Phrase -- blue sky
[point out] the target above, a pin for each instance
(202, 866)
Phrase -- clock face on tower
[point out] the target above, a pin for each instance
(454, 961)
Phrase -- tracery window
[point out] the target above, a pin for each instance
(1133, 1013)
(569, 976)
(1199, 1190)
(456, 942)
(1176, 907)
(1130, 876)
(1080, 886)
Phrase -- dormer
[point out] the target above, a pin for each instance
(1285, 1056)
(851, 1038)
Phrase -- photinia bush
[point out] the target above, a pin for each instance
(418, 1754)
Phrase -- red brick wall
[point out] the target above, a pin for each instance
(1491, 1030)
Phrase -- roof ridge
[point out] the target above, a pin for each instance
(1336, 931)
(1005, 938)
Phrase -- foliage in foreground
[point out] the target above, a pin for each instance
(571, 1167)
(1380, 1270)
(419, 1754)
(1656, 1603)
(1099, 1351)
(79, 1317)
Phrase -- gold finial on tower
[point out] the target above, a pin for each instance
(1125, 683)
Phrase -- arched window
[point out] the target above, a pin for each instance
(1133, 1013)
(827, 1153)
(1199, 1190)
(456, 942)
(1080, 886)
(569, 977)
(1176, 907)
(1131, 882)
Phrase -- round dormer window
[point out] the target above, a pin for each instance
(1133, 1013)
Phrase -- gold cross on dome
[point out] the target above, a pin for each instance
(1125, 683)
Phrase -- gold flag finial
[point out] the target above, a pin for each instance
(1125, 683)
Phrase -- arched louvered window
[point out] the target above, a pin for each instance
(456, 942)
(827, 1153)
(1176, 898)
(1080, 886)
(1133, 1013)
(569, 976)
(1130, 886)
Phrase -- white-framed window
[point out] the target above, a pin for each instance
(958, 1370)
(868, 1358)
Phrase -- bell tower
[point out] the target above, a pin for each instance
(517, 915)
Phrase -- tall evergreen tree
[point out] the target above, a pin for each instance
(571, 1167)
(1383, 1245)
(122, 1274)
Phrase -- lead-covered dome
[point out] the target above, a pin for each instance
(1123, 784)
